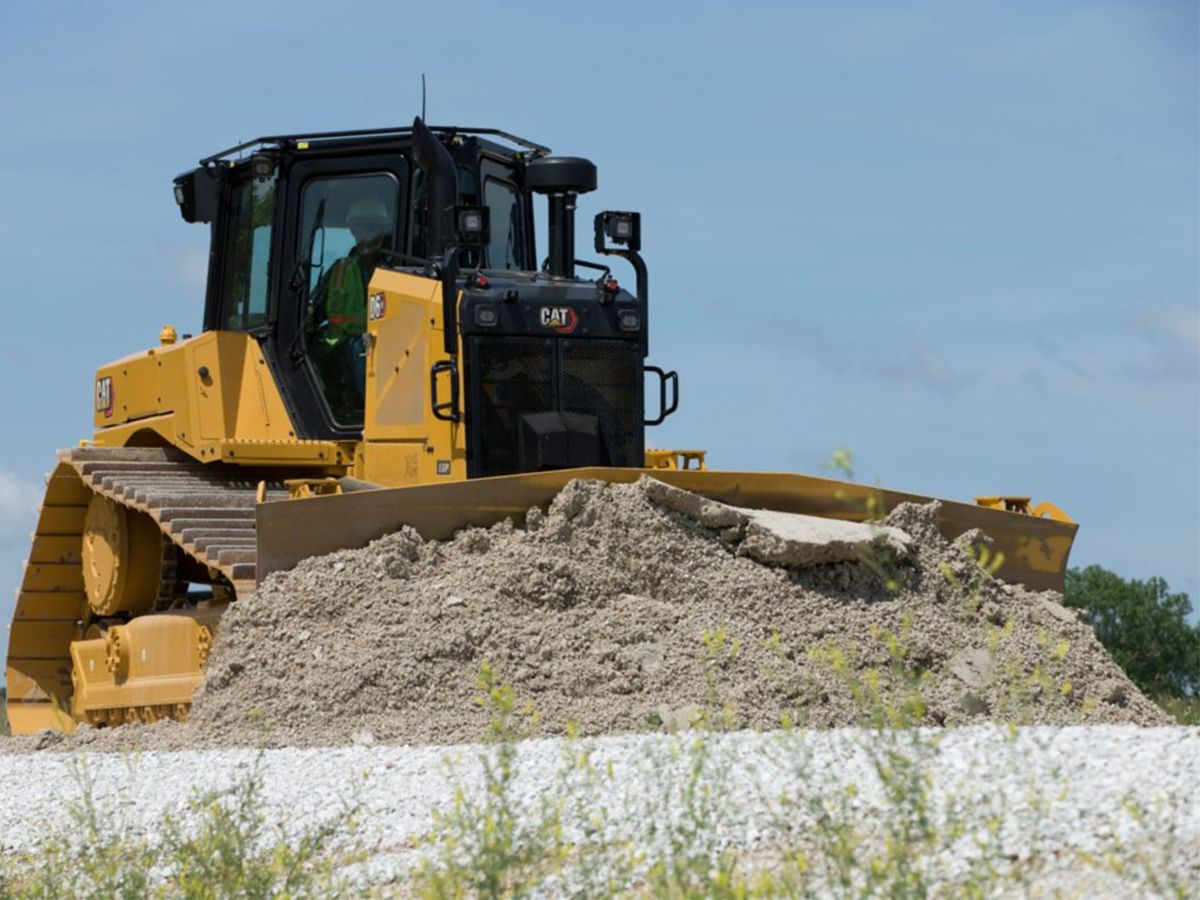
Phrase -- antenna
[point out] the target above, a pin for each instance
(422, 96)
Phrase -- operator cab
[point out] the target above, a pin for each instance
(300, 223)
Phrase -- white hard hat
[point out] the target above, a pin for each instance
(368, 211)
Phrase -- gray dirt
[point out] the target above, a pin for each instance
(596, 611)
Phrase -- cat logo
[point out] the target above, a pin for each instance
(561, 318)
(104, 396)
(376, 306)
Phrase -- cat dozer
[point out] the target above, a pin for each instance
(380, 347)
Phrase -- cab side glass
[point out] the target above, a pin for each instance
(347, 222)
(248, 255)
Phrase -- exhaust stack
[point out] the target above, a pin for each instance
(437, 164)
(562, 179)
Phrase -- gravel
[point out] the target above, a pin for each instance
(1064, 791)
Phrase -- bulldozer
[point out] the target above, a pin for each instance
(380, 348)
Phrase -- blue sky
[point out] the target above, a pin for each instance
(958, 238)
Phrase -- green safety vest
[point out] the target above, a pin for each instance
(346, 300)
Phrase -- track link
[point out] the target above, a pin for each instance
(205, 509)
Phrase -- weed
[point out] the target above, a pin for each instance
(719, 652)
(969, 583)
(231, 854)
(880, 561)
(1148, 851)
(487, 844)
(684, 857)
(227, 850)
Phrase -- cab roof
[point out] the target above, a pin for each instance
(370, 137)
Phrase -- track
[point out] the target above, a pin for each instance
(205, 510)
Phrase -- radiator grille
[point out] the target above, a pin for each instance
(515, 377)
(600, 378)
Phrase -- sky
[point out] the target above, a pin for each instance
(960, 239)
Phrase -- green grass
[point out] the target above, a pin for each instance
(1185, 710)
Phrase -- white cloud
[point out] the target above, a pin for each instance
(1172, 342)
(885, 351)
(19, 502)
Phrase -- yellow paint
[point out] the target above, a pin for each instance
(211, 396)
(151, 666)
(402, 440)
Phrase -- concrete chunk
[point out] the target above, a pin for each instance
(795, 541)
(784, 539)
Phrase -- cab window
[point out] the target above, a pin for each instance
(348, 222)
(247, 255)
(504, 240)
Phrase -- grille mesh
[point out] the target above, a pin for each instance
(522, 375)
(598, 379)
(515, 377)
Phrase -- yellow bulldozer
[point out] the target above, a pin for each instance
(380, 347)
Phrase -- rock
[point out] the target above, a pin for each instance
(339, 566)
(362, 738)
(650, 657)
(795, 541)
(679, 718)
(972, 704)
(970, 540)
(454, 600)
(534, 518)
(1058, 611)
(1113, 692)
(973, 666)
(703, 511)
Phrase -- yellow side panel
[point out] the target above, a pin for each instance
(196, 394)
(398, 367)
(404, 443)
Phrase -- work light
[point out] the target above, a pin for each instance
(471, 225)
(622, 228)
(262, 166)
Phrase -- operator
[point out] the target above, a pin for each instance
(343, 294)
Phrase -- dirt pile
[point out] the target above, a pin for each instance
(597, 613)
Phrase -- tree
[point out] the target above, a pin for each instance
(1143, 625)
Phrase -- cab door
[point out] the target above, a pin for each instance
(341, 216)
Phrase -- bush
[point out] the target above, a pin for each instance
(1143, 625)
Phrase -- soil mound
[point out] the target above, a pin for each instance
(631, 608)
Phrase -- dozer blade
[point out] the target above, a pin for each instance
(1035, 549)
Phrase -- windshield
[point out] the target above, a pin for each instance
(505, 248)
